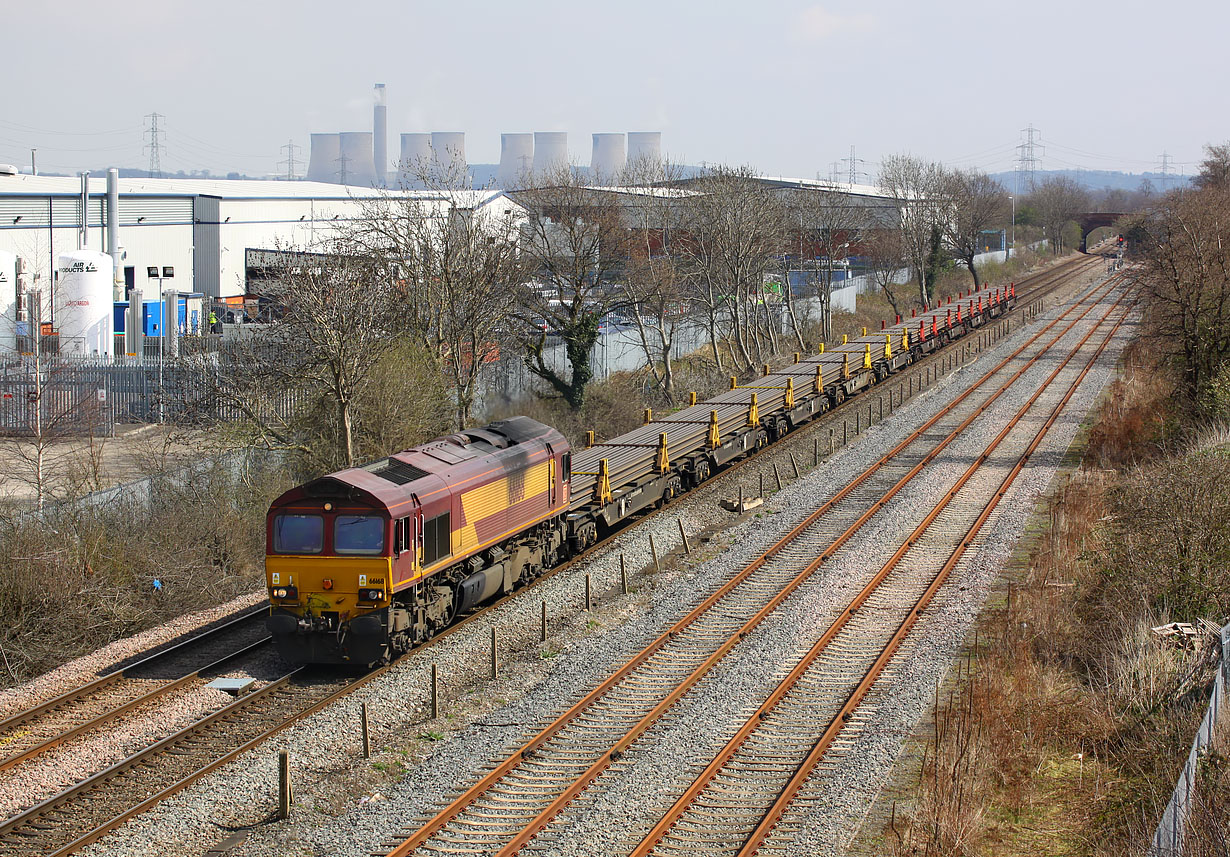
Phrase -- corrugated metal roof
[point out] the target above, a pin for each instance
(27, 185)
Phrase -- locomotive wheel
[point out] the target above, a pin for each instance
(587, 534)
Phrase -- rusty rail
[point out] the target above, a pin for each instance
(530, 828)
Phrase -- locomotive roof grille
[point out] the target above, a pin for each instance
(394, 470)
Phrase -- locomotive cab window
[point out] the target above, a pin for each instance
(566, 466)
(402, 539)
(298, 534)
(436, 536)
(358, 534)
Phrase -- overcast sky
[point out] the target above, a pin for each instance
(786, 87)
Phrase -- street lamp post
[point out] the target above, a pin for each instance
(163, 273)
(1012, 243)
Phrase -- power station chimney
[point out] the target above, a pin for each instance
(380, 132)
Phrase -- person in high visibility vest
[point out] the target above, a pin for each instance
(214, 327)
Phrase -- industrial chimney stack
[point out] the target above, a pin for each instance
(380, 132)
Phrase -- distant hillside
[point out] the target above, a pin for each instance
(1100, 179)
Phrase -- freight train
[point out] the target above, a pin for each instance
(364, 563)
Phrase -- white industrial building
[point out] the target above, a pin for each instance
(208, 232)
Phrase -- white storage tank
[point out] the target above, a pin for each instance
(8, 301)
(83, 304)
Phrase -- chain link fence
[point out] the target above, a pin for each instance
(1168, 838)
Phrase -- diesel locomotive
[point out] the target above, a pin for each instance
(364, 563)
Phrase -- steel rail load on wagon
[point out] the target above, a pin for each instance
(364, 563)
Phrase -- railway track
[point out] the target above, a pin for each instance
(49, 724)
(523, 795)
(86, 811)
(737, 803)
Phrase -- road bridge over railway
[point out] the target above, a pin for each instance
(1095, 220)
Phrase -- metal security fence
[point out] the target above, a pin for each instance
(1168, 838)
(74, 398)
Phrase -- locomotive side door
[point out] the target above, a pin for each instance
(415, 540)
(551, 477)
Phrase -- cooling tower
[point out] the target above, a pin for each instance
(380, 141)
(449, 149)
(322, 164)
(645, 147)
(550, 151)
(355, 165)
(415, 159)
(607, 161)
(516, 159)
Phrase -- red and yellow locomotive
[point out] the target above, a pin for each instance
(363, 563)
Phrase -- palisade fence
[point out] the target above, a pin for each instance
(1169, 836)
(88, 397)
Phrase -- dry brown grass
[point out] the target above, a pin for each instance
(1066, 732)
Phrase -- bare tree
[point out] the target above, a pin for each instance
(976, 203)
(572, 243)
(655, 292)
(827, 225)
(1215, 168)
(885, 261)
(335, 317)
(1185, 249)
(916, 186)
(735, 230)
(455, 257)
(1057, 201)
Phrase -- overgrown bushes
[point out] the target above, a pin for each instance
(77, 578)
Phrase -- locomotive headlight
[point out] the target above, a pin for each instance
(284, 592)
(371, 594)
